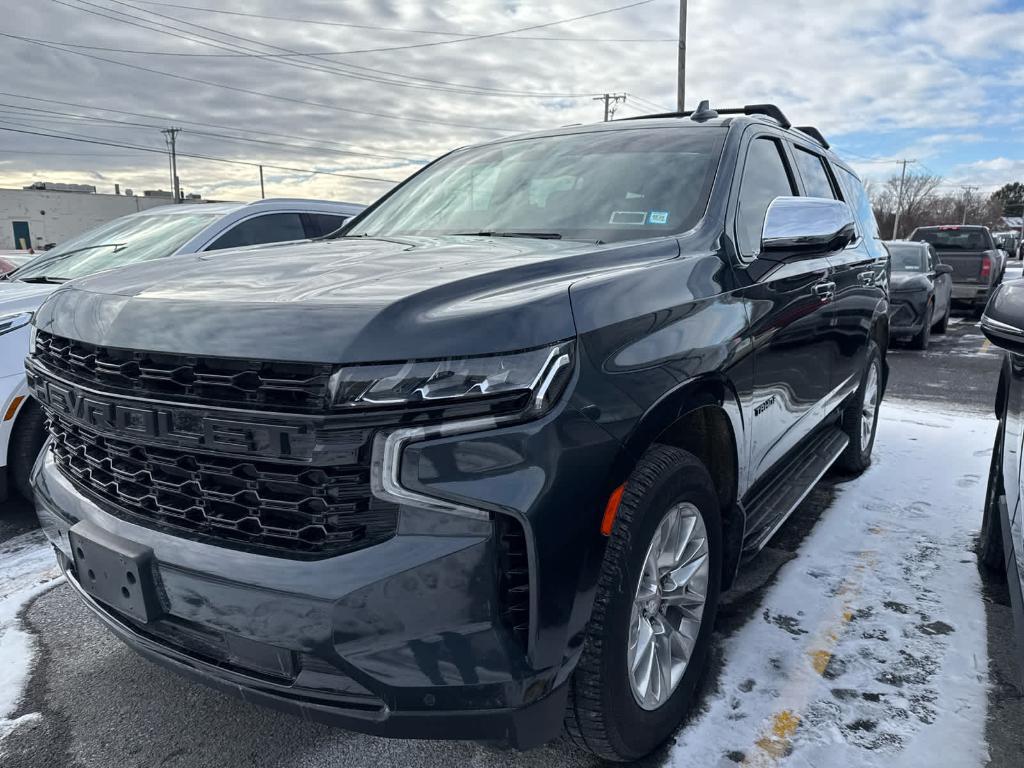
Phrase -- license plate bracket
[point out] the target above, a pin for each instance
(115, 571)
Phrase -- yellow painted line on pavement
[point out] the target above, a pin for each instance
(986, 345)
(776, 739)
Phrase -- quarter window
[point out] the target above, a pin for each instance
(861, 205)
(271, 228)
(765, 177)
(813, 173)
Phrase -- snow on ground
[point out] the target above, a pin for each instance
(27, 568)
(870, 648)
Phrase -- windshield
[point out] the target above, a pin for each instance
(123, 241)
(605, 186)
(956, 238)
(907, 258)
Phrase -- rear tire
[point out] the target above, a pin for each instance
(921, 338)
(861, 413)
(605, 715)
(27, 440)
(991, 545)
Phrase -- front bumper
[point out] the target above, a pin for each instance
(907, 313)
(404, 638)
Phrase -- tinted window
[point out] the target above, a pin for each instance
(764, 178)
(270, 228)
(320, 224)
(597, 185)
(955, 238)
(859, 202)
(813, 173)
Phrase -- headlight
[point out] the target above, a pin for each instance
(13, 322)
(537, 377)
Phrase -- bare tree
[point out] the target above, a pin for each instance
(914, 198)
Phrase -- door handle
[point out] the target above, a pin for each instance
(825, 290)
(866, 277)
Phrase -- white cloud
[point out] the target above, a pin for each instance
(872, 66)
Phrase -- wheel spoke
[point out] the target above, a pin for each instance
(668, 605)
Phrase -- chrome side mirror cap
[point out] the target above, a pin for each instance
(1003, 321)
(805, 227)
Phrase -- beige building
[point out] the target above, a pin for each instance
(51, 213)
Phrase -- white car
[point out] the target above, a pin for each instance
(164, 231)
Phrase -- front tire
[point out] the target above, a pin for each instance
(652, 612)
(27, 440)
(922, 337)
(991, 544)
(941, 326)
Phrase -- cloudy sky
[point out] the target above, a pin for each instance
(364, 91)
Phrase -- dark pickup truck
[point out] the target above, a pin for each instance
(977, 264)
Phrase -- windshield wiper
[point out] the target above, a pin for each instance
(536, 235)
(61, 256)
(43, 279)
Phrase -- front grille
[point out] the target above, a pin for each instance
(277, 509)
(261, 385)
(513, 578)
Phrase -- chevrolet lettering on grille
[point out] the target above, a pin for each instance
(172, 426)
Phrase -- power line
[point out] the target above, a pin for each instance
(58, 102)
(647, 103)
(249, 92)
(611, 100)
(344, 70)
(448, 33)
(64, 117)
(195, 156)
(435, 43)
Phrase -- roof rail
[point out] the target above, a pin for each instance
(815, 134)
(702, 112)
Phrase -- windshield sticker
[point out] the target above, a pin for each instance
(657, 217)
(628, 217)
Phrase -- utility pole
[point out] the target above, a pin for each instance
(262, 195)
(899, 199)
(967, 196)
(610, 100)
(170, 136)
(681, 76)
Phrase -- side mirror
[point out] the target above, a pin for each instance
(943, 269)
(1003, 321)
(805, 227)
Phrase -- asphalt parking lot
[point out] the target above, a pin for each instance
(864, 634)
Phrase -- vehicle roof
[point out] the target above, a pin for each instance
(952, 226)
(682, 122)
(270, 204)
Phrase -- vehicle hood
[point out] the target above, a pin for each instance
(907, 281)
(344, 300)
(23, 297)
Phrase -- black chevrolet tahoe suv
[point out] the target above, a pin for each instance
(482, 463)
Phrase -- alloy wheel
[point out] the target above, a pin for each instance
(870, 407)
(668, 606)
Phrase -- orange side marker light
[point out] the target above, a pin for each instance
(611, 509)
(13, 408)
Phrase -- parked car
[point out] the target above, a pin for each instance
(152, 234)
(1002, 529)
(11, 260)
(1009, 242)
(920, 289)
(978, 265)
(491, 454)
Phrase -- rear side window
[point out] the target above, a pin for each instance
(765, 177)
(858, 200)
(812, 170)
(269, 228)
(321, 224)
